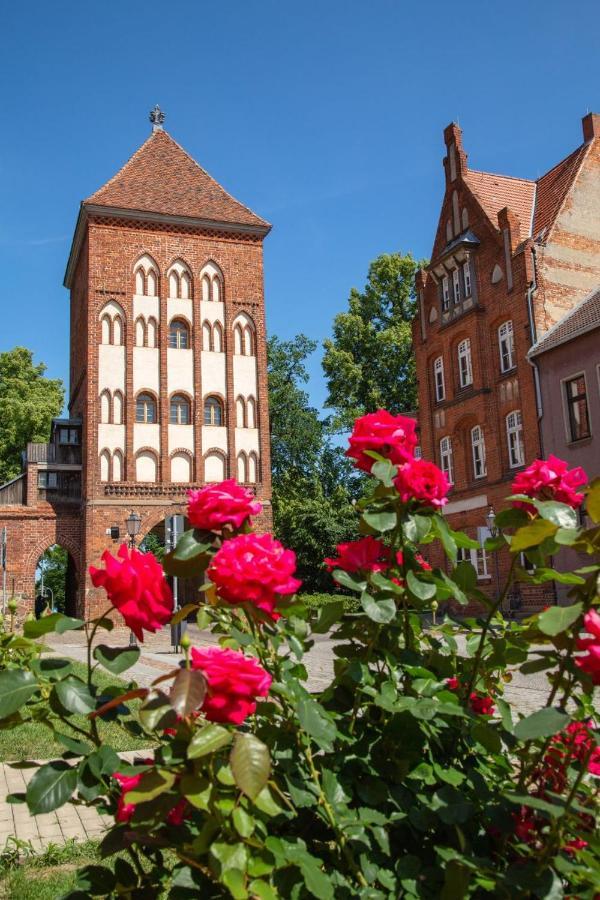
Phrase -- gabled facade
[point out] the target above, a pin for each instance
(510, 257)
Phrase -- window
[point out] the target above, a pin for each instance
(526, 563)
(217, 338)
(105, 407)
(179, 413)
(465, 369)
(179, 336)
(151, 332)
(105, 330)
(477, 556)
(151, 283)
(478, 448)
(105, 466)
(252, 468)
(48, 480)
(438, 374)
(446, 458)
(577, 407)
(418, 453)
(211, 281)
(506, 342)
(456, 285)
(118, 408)
(117, 461)
(243, 336)
(514, 436)
(213, 411)
(117, 331)
(480, 563)
(240, 413)
(140, 332)
(445, 293)
(173, 284)
(145, 409)
(242, 468)
(68, 436)
(467, 276)
(251, 413)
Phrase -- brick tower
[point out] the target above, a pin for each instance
(168, 373)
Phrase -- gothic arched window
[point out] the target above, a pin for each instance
(145, 409)
(213, 411)
(179, 335)
(179, 410)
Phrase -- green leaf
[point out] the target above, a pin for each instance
(558, 513)
(381, 611)
(417, 527)
(197, 789)
(592, 502)
(74, 695)
(67, 623)
(532, 535)
(385, 472)
(445, 535)
(242, 822)
(187, 692)
(103, 761)
(383, 521)
(156, 713)
(183, 613)
(267, 804)
(558, 618)
(44, 625)
(208, 739)
(73, 746)
(553, 809)
(487, 736)
(346, 580)
(511, 518)
(465, 576)
(315, 722)
(541, 724)
(16, 687)
(191, 556)
(424, 590)
(329, 614)
(250, 763)
(51, 668)
(152, 784)
(95, 881)
(116, 659)
(50, 787)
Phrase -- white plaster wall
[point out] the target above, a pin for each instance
(180, 371)
(146, 306)
(214, 436)
(181, 469)
(246, 439)
(214, 312)
(244, 375)
(146, 436)
(214, 377)
(177, 307)
(214, 468)
(111, 436)
(145, 467)
(181, 436)
(146, 368)
(111, 367)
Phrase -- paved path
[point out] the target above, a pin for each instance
(526, 693)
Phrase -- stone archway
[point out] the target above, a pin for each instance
(72, 575)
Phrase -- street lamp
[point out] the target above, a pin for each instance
(133, 523)
(494, 531)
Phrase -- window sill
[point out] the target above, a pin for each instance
(580, 442)
(509, 372)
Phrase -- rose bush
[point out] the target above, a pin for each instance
(409, 774)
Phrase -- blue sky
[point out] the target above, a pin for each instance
(324, 117)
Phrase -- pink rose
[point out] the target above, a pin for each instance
(549, 479)
(234, 682)
(394, 437)
(136, 586)
(590, 663)
(422, 481)
(256, 569)
(216, 505)
(366, 555)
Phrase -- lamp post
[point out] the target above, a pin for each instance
(493, 529)
(133, 523)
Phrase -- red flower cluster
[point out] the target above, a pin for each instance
(136, 586)
(420, 480)
(234, 682)
(256, 569)
(550, 479)
(126, 810)
(423, 563)
(590, 663)
(216, 505)
(394, 437)
(481, 705)
(366, 555)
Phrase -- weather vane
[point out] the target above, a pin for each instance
(157, 117)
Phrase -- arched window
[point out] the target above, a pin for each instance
(118, 408)
(112, 318)
(446, 461)
(105, 466)
(140, 282)
(438, 377)
(145, 409)
(211, 279)
(240, 413)
(151, 332)
(105, 329)
(465, 368)
(117, 337)
(252, 468)
(179, 335)
(181, 468)
(185, 286)
(216, 289)
(146, 467)
(117, 466)
(242, 468)
(506, 342)
(140, 332)
(206, 292)
(207, 336)
(514, 437)
(248, 341)
(173, 284)
(217, 338)
(244, 336)
(214, 466)
(251, 412)
(179, 410)
(478, 450)
(213, 411)
(105, 407)
(151, 283)
(238, 340)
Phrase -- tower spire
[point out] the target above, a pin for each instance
(157, 117)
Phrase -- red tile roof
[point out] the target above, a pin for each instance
(494, 192)
(162, 178)
(552, 189)
(582, 318)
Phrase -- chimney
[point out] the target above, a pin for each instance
(455, 162)
(591, 127)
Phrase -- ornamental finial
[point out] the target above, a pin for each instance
(157, 117)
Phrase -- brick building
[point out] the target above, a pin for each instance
(510, 257)
(168, 376)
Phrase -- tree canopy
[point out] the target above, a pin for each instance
(28, 403)
(369, 361)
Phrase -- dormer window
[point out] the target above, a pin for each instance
(467, 277)
(456, 285)
(445, 292)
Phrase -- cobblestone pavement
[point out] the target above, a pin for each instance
(526, 693)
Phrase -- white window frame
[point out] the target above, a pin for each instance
(438, 378)
(418, 453)
(445, 292)
(478, 451)
(477, 556)
(456, 286)
(465, 366)
(466, 268)
(514, 439)
(506, 344)
(446, 459)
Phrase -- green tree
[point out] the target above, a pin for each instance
(51, 576)
(28, 403)
(369, 362)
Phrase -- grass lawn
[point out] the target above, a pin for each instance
(34, 741)
(25, 876)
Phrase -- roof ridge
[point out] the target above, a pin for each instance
(562, 161)
(500, 175)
